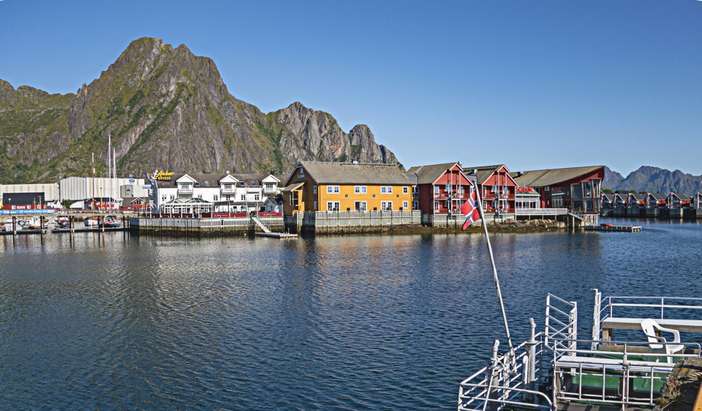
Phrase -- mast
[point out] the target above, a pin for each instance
(115, 191)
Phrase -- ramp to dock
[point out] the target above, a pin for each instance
(260, 224)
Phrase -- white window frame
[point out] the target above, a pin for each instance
(386, 189)
(365, 206)
(405, 189)
(405, 205)
(436, 190)
(335, 206)
(333, 189)
(360, 189)
(386, 205)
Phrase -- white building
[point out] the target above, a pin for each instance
(190, 194)
(83, 188)
(271, 185)
(50, 190)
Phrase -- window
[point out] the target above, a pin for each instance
(314, 189)
(448, 188)
(332, 189)
(216, 197)
(405, 189)
(314, 204)
(436, 189)
(332, 206)
(243, 197)
(301, 172)
(360, 189)
(386, 189)
(360, 206)
(405, 205)
(257, 197)
(436, 205)
(386, 205)
(163, 197)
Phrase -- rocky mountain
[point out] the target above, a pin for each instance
(169, 109)
(654, 179)
(612, 178)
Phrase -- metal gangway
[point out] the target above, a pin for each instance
(260, 224)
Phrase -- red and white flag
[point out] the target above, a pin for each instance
(470, 211)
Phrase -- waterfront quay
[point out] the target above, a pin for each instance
(317, 197)
(186, 227)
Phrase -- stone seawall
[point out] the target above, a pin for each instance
(185, 227)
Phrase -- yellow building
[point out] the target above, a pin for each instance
(327, 186)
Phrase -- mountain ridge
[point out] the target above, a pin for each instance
(653, 179)
(164, 107)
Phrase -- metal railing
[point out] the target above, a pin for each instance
(624, 376)
(660, 304)
(541, 211)
(510, 379)
(561, 320)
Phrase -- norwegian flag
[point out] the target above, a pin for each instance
(470, 211)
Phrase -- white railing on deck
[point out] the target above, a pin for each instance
(511, 379)
(541, 212)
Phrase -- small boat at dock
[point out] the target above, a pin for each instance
(556, 369)
(91, 222)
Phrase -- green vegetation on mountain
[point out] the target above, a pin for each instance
(163, 108)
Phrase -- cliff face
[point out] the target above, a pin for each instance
(164, 108)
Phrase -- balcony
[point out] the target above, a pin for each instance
(186, 190)
(227, 190)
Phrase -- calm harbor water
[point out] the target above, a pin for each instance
(379, 322)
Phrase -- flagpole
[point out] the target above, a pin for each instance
(494, 267)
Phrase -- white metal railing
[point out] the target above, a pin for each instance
(624, 376)
(509, 380)
(561, 320)
(650, 303)
(541, 211)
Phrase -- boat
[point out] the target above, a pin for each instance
(62, 221)
(6, 226)
(555, 369)
(91, 222)
(110, 221)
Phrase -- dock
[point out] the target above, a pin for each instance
(608, 228)
(88, 230)
(272, 234)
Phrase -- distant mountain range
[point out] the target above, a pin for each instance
(653, 179)
(164, 108)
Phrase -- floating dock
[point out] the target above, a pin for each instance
(88, 230)
(272, 234)
(608, 228)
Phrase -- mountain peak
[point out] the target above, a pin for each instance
(165, 108)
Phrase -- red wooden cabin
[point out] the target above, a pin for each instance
(497, 187)
(440, 188)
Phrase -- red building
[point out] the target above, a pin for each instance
(576, 188)
(497, 187)
(440, 188)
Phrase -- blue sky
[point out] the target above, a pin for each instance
(528, 83)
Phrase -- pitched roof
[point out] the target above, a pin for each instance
(427, 174)
(212, 179)
(350, 173)
(547, 177)
(482, 173)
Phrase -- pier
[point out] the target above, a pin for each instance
(609, 228)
